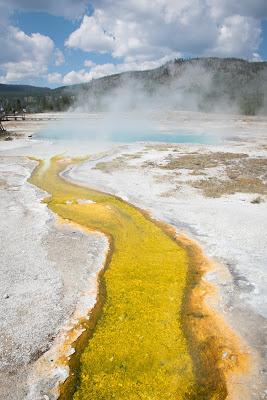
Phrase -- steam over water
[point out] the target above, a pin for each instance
(118, 128)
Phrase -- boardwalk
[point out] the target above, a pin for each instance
(42, 118)
(22, 117)
(11, 117)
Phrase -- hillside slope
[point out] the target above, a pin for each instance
(207, 84)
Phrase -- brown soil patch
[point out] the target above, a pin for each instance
(117, 163)
(239, 172)
(198, 162)
(248, 175)
(3, 184)
(216, 188)
(160, 147)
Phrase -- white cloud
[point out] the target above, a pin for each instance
(70, 9)
(91, 36)
(256, 57)
(59, 57)
(137, 33)
(54, 77)
(140, 30)
(76, 77)
(89, 63)
(246, 8)
(238, 36)
(25, 56)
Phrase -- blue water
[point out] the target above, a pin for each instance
(122, 136)
(164, 138)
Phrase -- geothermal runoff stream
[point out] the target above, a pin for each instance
(143, 343)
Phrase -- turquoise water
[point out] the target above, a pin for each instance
(90, 134)
(165, 138)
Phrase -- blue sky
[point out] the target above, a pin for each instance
(72, 41)
(58, 28)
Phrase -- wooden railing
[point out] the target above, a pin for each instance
(15, 117)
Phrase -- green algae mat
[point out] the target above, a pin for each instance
(138, 349)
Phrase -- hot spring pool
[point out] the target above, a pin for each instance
(59, 134)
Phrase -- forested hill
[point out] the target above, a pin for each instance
(206, 84)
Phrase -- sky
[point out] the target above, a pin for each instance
(63, 42)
